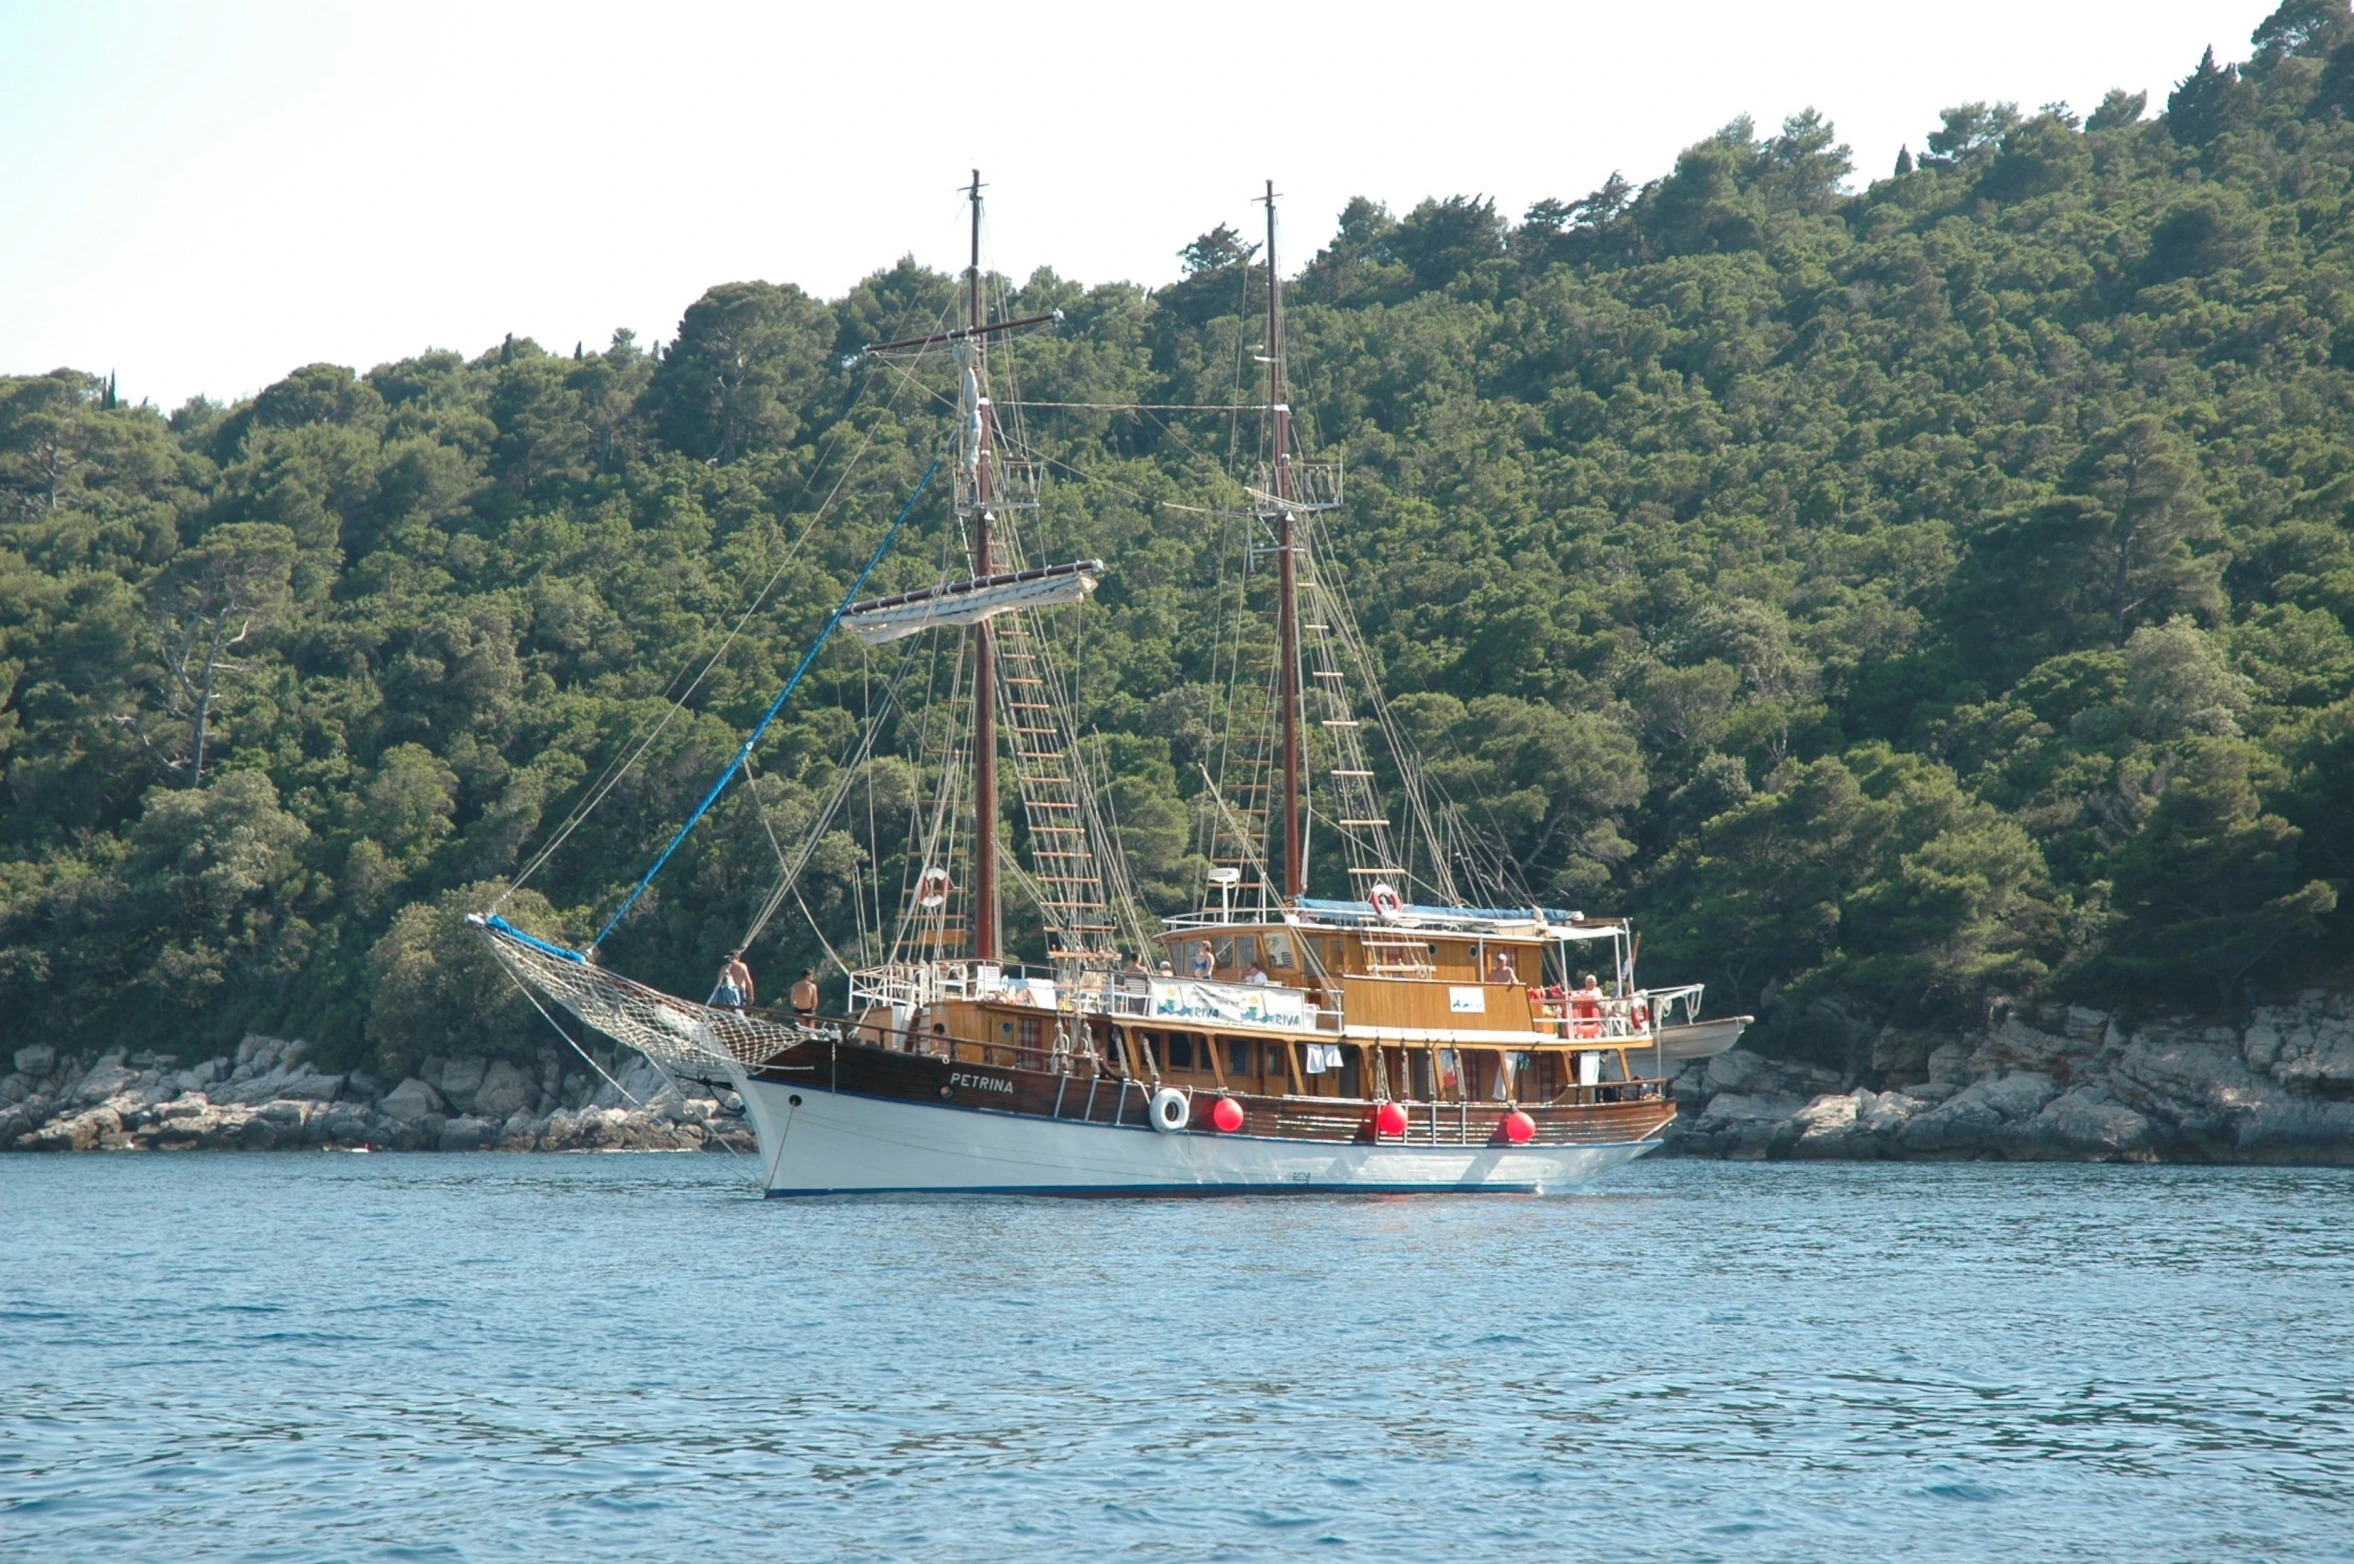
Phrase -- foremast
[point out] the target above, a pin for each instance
(975, 500)
(1287, 613)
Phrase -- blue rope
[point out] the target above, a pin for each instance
(534, 941)
(774, 707)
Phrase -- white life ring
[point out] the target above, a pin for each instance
(1385, 900)
(1170, 1110)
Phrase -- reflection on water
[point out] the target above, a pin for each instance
(295, 1356)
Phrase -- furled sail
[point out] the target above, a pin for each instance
(970, 602)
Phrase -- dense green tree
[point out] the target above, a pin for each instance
(1895, 593)
(2210, 886)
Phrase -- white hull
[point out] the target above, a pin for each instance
(1701, 1039)
(835, 1143)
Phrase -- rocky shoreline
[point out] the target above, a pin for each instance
(267, 1096)
(2055, 1083)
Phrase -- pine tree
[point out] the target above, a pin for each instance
(2209, 101)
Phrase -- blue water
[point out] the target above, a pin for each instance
(313, 1356)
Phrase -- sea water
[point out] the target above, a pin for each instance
(313, 1356)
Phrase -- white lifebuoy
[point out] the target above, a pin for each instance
(1170, 1111)
(1385, 900)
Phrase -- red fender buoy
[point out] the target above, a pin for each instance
(1227, 1115)
(1519, 1127)
(1389, 1119)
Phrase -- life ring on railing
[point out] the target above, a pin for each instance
(1170, 1111)
(1385, 900)
(1641, 1016)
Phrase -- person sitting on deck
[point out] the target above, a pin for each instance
(1500, 969)
(1585, 1003)
(804, 996)
(1256, 976)
(735, 984)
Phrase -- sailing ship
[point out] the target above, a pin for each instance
(1395, 1038)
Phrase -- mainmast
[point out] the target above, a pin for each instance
(1287, 613)
(972, 349)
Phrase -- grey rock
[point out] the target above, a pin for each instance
(284, 1113)
(2085, 1025)
(469, 1133)
(411, 1101)
(15, 1088)
(340, 1124)
(1858, 1125)
(361, 1084)
(2086, 1124)
(307, 1085)
(460, 1079)
(1827, 1128)
(2308, 1046)
(39, 1059)
(504, 1090)
(2020, 1095)
(1737, 1125)
(1964, 1125)
(1949, 1063)
(86, 1131)
(103, 1083)
(2189, 1083)
(1977, 1120)
(2014, 1046)
(185, 1123)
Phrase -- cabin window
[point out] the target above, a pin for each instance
(1224, 957)
(1246, 952)
(1278, 950)
(1238, 1056)
(1277, 1065)
(1031, 1031)
(1336, 955)
(1180, 1051)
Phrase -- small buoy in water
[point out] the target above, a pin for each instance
(1389, 1119)
(1518, 1127)
(1227, 1115)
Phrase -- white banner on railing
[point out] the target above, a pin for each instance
(1245, 1002)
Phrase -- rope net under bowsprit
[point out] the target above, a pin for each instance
(680, 1035)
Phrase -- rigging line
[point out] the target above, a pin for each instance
(831, 805)
(774, 707)
(1137, 495)
(1145, 407)
(567, 1036)
(785, 868)
(635, 752)
(622, 764)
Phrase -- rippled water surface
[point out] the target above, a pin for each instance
(358, 1357)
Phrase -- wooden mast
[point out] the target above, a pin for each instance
(1287, 613)
(978, 421)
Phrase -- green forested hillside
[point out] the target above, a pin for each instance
(1894, 591)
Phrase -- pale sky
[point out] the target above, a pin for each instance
(204, 195)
